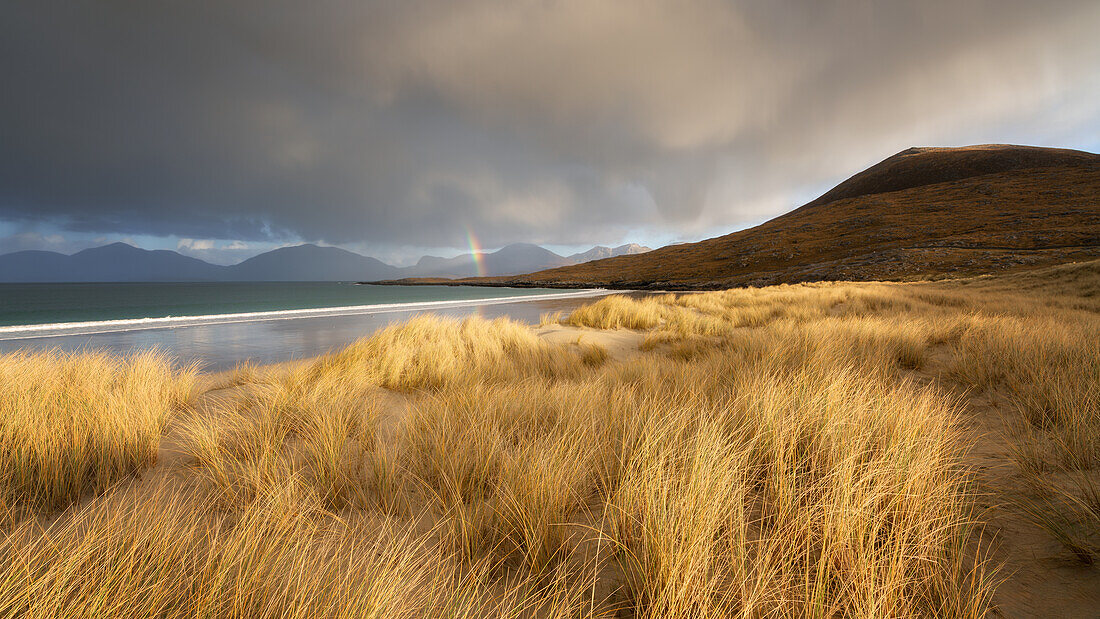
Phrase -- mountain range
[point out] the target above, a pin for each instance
(119, 262)
(922, 213)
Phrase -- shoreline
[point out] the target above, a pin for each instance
(224, 344)
(620, 344)
(34, 331)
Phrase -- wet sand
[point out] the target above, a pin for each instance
(218, 347)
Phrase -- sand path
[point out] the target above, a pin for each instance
(1040, 577)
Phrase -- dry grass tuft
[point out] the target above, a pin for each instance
(430, 352)
(71, 424)
(786, 451)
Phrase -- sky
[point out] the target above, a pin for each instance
(399, 128)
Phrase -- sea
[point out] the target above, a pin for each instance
(219, 325)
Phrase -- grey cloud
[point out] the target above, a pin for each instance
(555, 122)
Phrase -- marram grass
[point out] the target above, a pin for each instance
(794, 451)
(72, 424)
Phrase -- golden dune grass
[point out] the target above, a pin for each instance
(790, 451)
(428, 352)
(72, 424)
(1031, 341)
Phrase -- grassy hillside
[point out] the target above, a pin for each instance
(922, 213)
(820, 450)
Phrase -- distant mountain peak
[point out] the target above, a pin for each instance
(600, 252)
(630, 248)
(303, 262)
(302, 247)
(117, 246)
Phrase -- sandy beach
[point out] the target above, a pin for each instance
(218, 344)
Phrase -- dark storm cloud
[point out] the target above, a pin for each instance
(555, 122)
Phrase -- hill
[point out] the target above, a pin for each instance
(120, 262)
(114, 262)
(512, 259)
(600, 252)
(308, 263)
(925, 212)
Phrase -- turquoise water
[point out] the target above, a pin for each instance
(41, 304)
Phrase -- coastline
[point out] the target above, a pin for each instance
(134, 324)
(621, 344)
(220, 343)
(504, 282)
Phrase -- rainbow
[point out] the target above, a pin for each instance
(476, 251)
